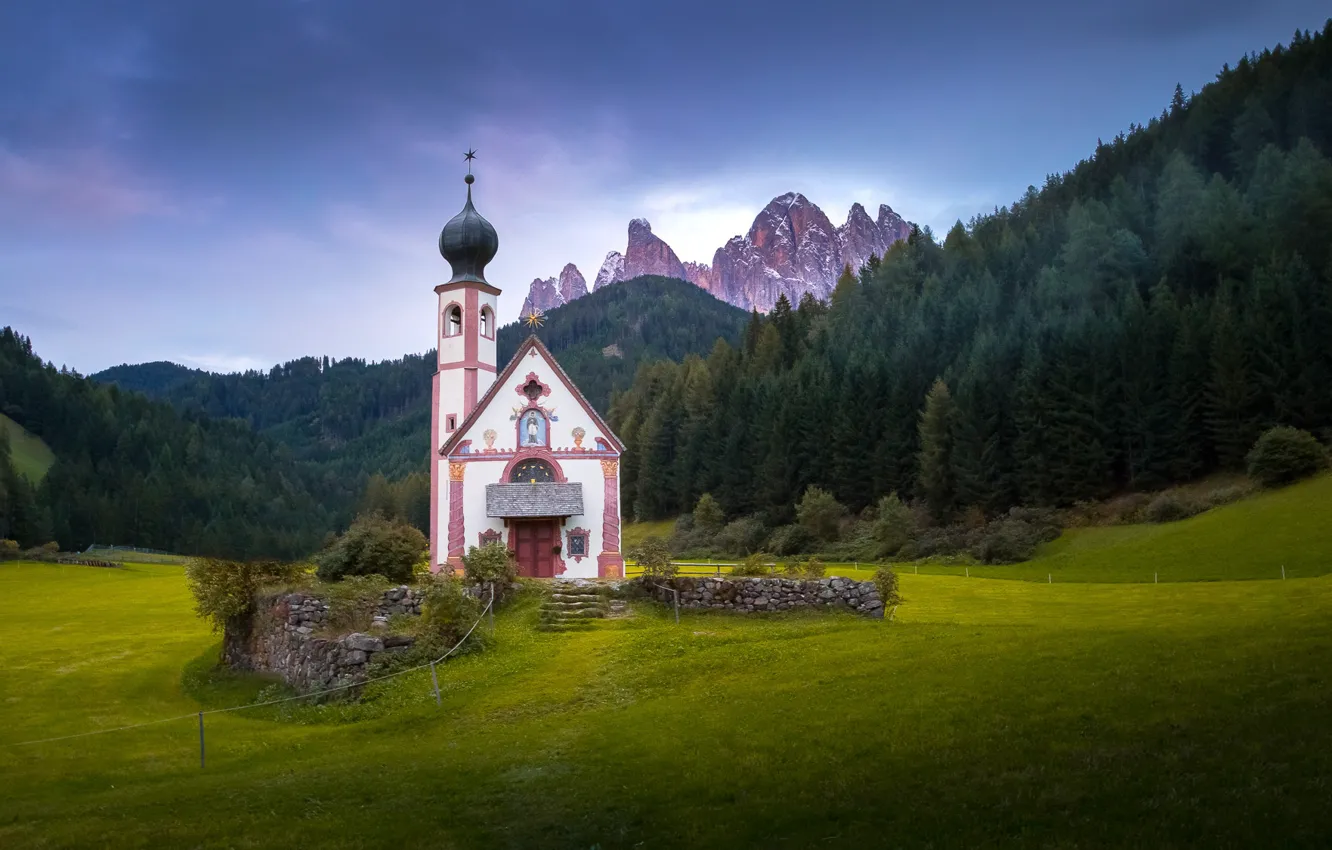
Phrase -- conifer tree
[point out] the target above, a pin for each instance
(935, 481)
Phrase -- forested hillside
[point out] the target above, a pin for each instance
(1137, 321)
(130, 470)
(357, 419)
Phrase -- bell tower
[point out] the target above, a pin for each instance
(465, 330)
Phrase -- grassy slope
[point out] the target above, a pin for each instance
(989, 712)
(31, 456)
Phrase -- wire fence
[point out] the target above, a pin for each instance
(488, 610)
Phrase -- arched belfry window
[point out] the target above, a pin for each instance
(453, 321)
(532, 471)
(486, 323)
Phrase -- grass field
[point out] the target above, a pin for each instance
(31, 456)
(988, 713)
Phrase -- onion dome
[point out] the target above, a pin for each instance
(468, 242)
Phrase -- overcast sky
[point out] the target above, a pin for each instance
(233, 184)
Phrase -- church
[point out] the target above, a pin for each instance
(519, 457)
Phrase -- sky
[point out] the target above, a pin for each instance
(230, 185)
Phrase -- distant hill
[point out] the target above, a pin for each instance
(154, 379)
(122, 468)
(356, 419)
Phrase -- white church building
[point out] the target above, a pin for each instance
(518, 456)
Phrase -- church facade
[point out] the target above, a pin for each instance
(518, 456)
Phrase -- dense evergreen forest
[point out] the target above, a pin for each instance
(1136, 322)
(130, 470)
(357, 419)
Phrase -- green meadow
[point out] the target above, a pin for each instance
(31, 456)
(1118, 713)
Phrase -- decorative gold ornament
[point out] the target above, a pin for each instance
(456, 471)
(609, 468)
(578, 435)
(535, 319)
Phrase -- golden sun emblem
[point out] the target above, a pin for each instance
(535, 319)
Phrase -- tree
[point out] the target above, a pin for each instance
(708, 514)
(935, 479)
(820, 514)
(894, 524)
(1284, 454)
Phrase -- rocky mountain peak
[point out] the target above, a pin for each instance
(790, 249)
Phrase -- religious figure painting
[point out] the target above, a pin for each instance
(533, 429)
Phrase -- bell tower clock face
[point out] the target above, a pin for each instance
(532, 472)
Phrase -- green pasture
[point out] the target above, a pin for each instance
(987, 713)
(30, 455)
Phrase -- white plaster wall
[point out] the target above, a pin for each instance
(566, 407)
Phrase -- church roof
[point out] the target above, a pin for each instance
(534, 500)
(502, 380)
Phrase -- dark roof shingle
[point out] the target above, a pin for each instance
(534, 500)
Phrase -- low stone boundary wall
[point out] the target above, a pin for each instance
(753, 595)
(279, 637)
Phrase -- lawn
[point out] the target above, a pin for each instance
(30, 455)
(987, 713)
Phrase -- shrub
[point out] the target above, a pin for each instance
(708, 514)
(1173, 505)
(374, 545)
(741, 537)
(814, 568)
(790, 568)
(894, 524)
(1219, 496)
(886, 581)
(9, 550)
(820, 513)
(1005, 541)
(492, 562)
(225, 589)
(1284, 454)
(654, 558)
(790, 540)
(45, 552)
(446, 611)
(756, 565)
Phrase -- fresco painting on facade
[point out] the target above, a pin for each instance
(547, 502)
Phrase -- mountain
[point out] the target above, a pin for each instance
(791, 249)
(550, 293)
(352, 419)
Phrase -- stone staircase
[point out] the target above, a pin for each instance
(571, 608)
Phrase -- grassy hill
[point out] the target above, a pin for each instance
(31, 457)
(987, 712)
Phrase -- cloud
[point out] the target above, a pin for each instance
(225, 363)
(85, 184)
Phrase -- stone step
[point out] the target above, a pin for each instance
(581, 597)
(555, 616)
(574, 601)
(575, 589)
(565, 627)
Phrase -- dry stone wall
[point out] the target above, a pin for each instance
(756, 595)
(281, 637)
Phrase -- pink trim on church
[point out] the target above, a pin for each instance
(469, 391)
(471, 326)
(526, 454)
(610, 563)
(434, 473)
(455, 524)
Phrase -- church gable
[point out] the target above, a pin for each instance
(533, 407)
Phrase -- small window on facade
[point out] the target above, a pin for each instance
(577, 543)
(485, 322)
(453, 422)
(454, 325)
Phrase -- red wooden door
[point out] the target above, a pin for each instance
(532, 543)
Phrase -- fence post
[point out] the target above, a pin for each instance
(434, 680)
(201, 742)
(677, 606)
(492, 609)
(1283, 572)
